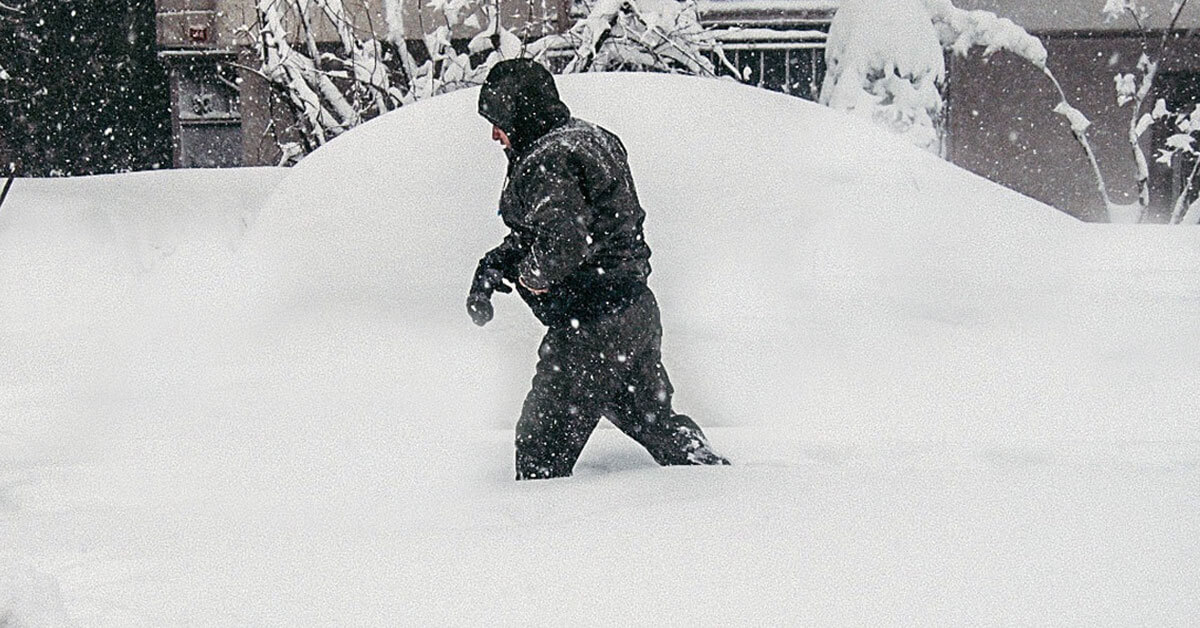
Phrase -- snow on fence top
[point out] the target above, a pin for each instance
(767, 11)
(772, 5)
(769, 34)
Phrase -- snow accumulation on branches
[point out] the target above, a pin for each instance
(656, 35)
(1135, 88)
(1079, 122)
(331, 92)
(961, 30)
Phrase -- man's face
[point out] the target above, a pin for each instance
(499, 135)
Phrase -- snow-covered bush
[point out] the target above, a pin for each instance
(885, 59)
(330, 92)
(885, 62)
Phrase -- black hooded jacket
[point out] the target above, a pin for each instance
(569, 200)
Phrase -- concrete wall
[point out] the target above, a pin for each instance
(182, 22)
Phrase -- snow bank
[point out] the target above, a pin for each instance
(30, 599)
(805, 266)
(94, 271)
(945, 401)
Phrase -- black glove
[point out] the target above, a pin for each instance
(479, 301)
(479, 306)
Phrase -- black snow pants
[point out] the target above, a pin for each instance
(611, 368)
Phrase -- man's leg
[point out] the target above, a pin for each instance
(558, 416)
(671, 439)
(643, 396)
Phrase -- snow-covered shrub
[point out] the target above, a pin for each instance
(885, 62)
(885, 59)
(330, 92)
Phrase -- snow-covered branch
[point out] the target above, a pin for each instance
(961, 31)
(1135, 88)
(1079, 128)
(331, 92)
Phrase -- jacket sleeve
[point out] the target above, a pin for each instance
(560, 218)
(503, 258)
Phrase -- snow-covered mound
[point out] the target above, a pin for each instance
(946, 403)
(813, 273)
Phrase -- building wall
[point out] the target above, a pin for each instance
(222, 111)
(1075, 15)
(195, 43)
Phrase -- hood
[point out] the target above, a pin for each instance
(519, 96)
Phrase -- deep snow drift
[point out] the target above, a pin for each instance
(946, 402)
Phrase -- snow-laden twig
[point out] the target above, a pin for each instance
(1178, 213)
(333, 91)
(961, 31)
(1079, 128)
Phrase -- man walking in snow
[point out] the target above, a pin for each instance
(578, 259)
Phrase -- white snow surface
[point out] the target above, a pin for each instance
(254, 397)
